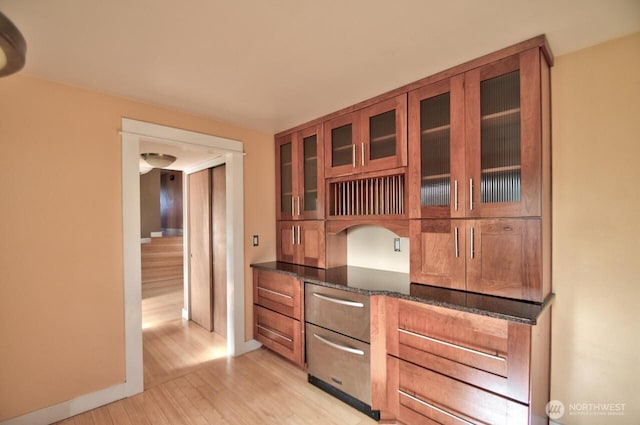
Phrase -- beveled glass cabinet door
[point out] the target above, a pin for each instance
(436, 148)
(503, 114)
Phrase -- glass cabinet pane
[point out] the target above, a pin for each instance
(286, 178)
(310, 164)
(382, 135)
(500, 138)
(435, 152)
(341, 142)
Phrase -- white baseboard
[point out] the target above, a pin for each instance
(72, 407)
(185, 314)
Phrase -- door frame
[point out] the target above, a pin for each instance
(132, 131)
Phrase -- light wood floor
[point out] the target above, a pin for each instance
(189, 380)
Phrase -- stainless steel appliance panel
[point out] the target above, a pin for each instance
(340, 361)
(342, 311)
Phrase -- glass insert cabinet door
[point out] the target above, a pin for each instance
(383, 140)
(300, 167)
(371, 139)
(504, 137)
(436, 149)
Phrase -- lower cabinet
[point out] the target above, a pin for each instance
(421, 396)
(446, 366)
(501, 257)
(278, 314)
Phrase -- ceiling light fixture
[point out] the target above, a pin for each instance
(13, 47)
(158, 160)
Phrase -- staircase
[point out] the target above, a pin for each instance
(162, 262)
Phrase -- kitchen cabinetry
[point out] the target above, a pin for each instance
(370, 139)
(278, 314)
(500, 257)
(449, 366)
(483, 143)
(300, 175)
(478, 141)
(307, 243)
(301, 242)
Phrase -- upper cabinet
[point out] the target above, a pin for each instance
(370, 139)
(299, 175)
(476, 142)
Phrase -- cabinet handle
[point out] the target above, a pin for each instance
(339, 301)
(431, 406)
(280, 294)
(298, 234)
(362, 153)
(448, 344)
(339, 347)
(298, 202)
(471, 194)
(455, 195)
(293, 235)
(457, 245)
(471, 247)
(274, 332)
(353, 155)
(293, 211)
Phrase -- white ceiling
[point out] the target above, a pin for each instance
(187, 156)
(273, 64)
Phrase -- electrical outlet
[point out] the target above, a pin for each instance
(256, 240)
(396, 244)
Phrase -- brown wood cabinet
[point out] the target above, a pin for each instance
(307, 243)
(300, 175)
(477, 144)
(370, 139)
(447, 366)
(500, 257)
(278, 314)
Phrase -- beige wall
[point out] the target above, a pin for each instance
(61, 296)
(150, 203)
(596, 236)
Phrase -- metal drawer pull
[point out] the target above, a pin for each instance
(448, 344)
(339, 301)
(471, 194)
(274, 332)
(339, 347)
(353, 155)
(280, 294)
(298, 203)
(455, 195)
(293, 235)
(444, 412)
(362, 153)
(457, 246)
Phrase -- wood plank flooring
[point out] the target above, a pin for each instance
(190, 380)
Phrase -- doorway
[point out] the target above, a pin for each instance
(230, 153)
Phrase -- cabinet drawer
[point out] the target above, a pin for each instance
(279, 333)
(343, 311)
(278, 292)
(426, 397)
(483, 351)
(340, 361)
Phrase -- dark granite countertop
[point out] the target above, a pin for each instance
(394, 284)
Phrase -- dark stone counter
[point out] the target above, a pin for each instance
(380, 282)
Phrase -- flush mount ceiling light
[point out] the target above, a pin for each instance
(158, 160)
(13, 47)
